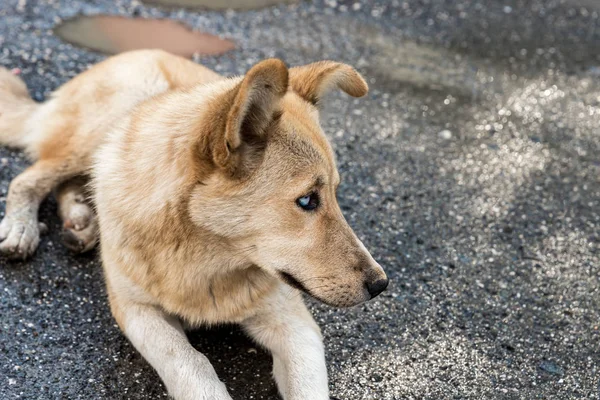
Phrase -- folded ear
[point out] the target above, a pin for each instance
(253, 105)
(314, 80)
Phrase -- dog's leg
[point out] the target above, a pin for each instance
(286, 328)
(80, 226)
(19, 230)
(159, 337)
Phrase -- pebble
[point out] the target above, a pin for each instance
(445, 134)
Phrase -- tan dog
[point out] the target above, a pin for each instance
(210, 194)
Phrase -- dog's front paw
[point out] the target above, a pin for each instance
(18, 237)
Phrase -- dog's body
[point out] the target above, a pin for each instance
(210, 194)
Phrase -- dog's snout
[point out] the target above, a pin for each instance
(375, 288)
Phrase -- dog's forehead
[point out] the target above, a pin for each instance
(302, 132)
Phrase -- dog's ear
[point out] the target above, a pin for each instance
(250, 108)
(314, 80)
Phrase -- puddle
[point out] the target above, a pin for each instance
(220, 5)
(111, 35)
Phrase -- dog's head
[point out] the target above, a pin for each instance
(272, 189)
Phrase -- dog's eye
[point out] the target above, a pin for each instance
(308, 202)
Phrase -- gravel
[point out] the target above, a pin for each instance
(471, 171)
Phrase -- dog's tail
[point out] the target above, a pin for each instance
(16, 107)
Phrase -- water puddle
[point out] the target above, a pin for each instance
(111, 35)
(220, 5)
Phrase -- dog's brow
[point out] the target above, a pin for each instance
(319, 182)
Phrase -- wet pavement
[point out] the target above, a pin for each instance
(472, 172)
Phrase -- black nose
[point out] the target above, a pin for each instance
(375, 288)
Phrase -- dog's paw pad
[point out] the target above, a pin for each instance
(77, 223)
(72, 241)
(77, 215)
(81, 240)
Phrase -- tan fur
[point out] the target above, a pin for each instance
(15, 108)
(312, 81)
(195, 183)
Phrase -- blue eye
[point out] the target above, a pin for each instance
(308, 202)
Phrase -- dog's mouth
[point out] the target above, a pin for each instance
(292, 281)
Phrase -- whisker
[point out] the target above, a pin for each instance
(315, 277)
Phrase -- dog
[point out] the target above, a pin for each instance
(213, 200)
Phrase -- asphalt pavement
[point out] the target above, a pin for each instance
(471, 171)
